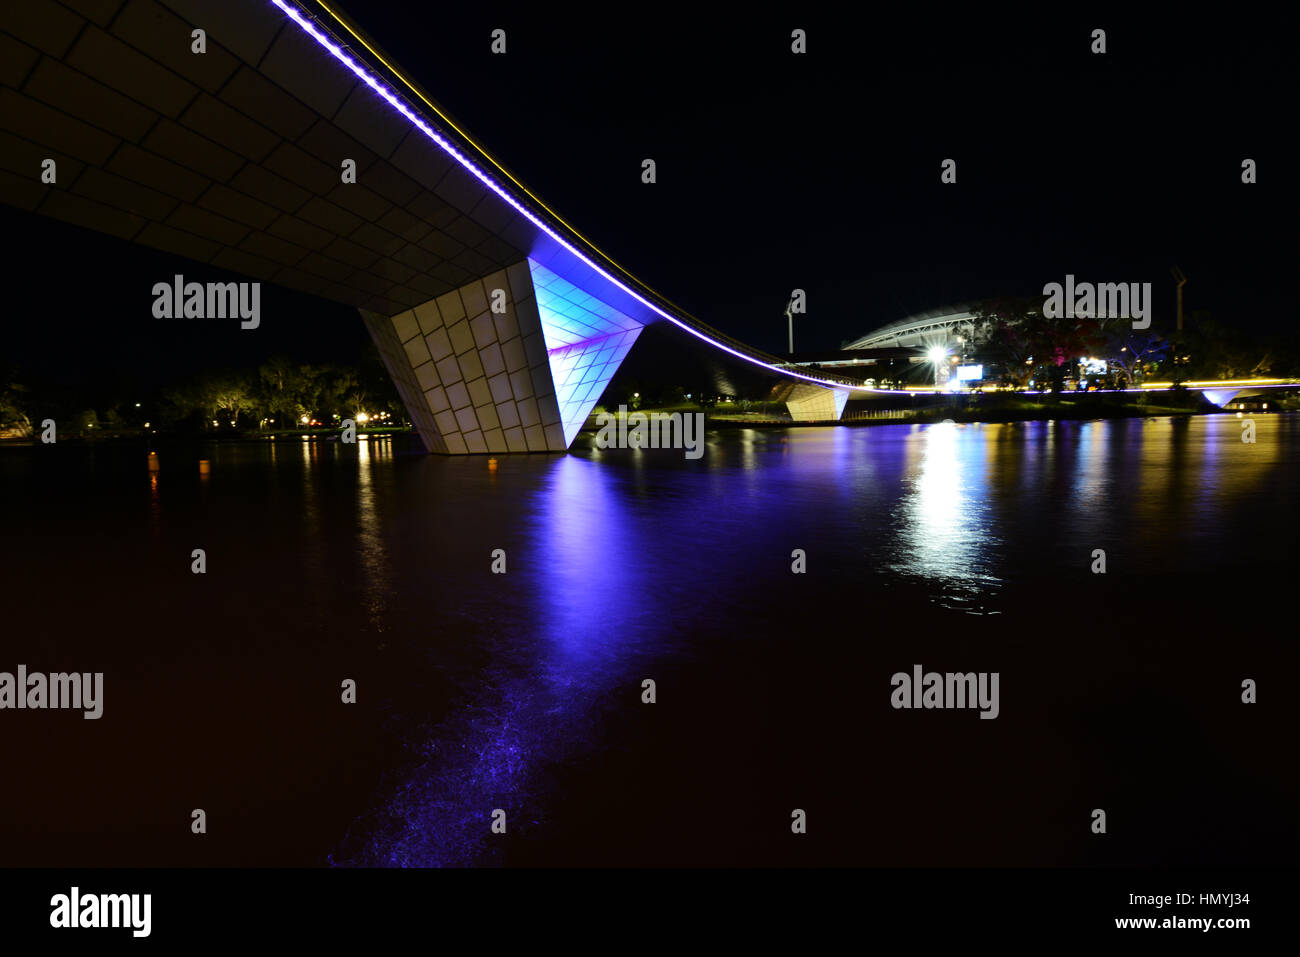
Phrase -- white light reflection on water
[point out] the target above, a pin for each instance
(942, 519)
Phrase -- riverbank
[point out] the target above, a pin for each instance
(228, 435)
(930, 408)
(920, 409)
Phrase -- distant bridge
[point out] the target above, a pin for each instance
(1223, 391)
(1218, 391)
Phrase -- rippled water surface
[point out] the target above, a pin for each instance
(957, 547)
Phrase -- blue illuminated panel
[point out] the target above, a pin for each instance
(1220, 397)
(586, 341)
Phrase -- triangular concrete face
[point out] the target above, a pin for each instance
(586, 342)
(513, 362)
(812, 403)
(472, 369)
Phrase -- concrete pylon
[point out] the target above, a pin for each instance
(1220, 397)
(512, 362)
(811, 403)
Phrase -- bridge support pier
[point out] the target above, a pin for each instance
(1220, 397)
(812, 403)
(512, 362)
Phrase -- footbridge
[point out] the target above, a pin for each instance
(224, 131)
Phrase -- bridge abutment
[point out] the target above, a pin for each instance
(474, 380)
(812, 403)
(512, 362)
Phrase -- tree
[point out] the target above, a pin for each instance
(214, 397)
(14, 422)
(338, 386)
(1005, 330)
(1015, 331)
(227, 395)
(1063, 339)
(1129, 351)
(1218, 351)
(373, 378)
(1009, 343)
(278, 375)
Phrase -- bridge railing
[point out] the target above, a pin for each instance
(873, 414)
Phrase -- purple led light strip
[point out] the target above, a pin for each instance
(428, 131)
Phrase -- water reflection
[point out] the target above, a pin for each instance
(585, 638)
(313, 558)
(372, 554)
(155, 498)
(1091, 488)
(626, 560)
(585, 539)
(946, 538)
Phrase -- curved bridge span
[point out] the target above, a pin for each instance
(500, 324)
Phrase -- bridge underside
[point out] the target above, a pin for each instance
(234, 157)
(500, 326)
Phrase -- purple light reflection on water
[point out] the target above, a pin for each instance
(522, 691)
(587, 640)
(632, 564)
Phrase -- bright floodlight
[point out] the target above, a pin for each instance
(937, 353)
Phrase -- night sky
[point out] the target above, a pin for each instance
(778, 171)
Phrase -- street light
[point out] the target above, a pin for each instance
(1178, 337)
(936, 355)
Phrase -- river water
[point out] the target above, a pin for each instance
(518, 697)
